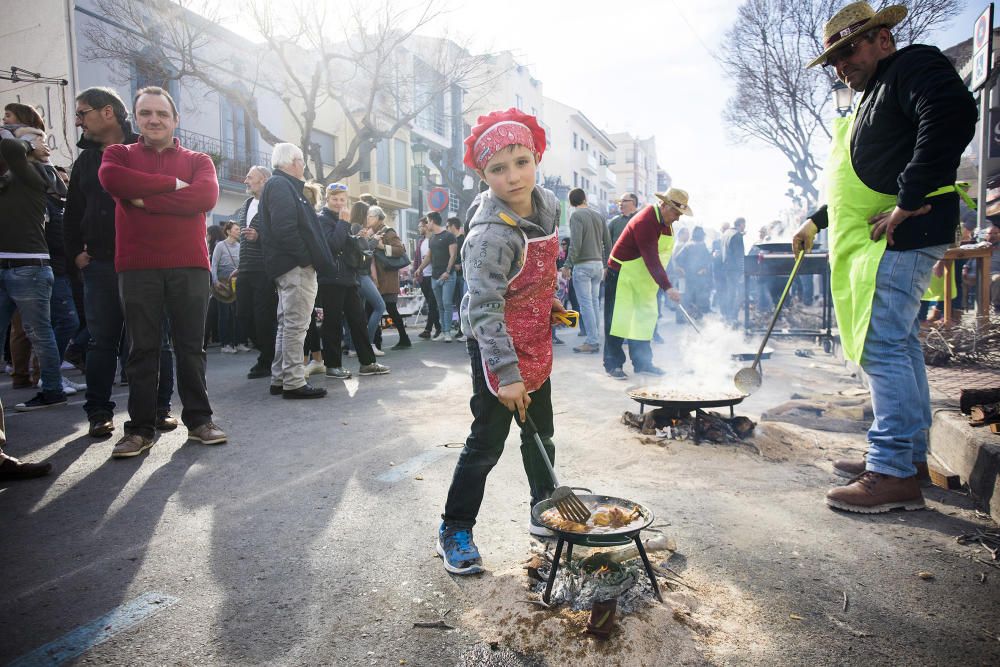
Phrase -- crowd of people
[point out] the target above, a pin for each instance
(301, 273)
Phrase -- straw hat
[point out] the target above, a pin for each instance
(677, 199)
(854, 19)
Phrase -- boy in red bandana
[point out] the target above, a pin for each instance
(509, 263)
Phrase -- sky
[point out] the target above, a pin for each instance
(647, 67)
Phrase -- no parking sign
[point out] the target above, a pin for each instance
(437, 199)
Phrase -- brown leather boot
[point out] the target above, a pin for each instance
(851, 469)
(874, 493)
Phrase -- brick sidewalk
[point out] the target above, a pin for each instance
(950, 380)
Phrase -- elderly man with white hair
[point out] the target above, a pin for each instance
(256, 300)
(294, 250)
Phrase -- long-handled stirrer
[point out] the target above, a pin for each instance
(749, 379)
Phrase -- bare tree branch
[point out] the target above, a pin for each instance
(780, 103)
(363, 58)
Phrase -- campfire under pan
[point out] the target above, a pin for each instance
(613, 538)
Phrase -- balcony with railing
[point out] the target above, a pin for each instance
(231, 163)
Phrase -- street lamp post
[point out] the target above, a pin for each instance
(842, 98)
(419, 150)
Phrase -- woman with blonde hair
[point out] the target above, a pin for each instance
(385, 242)
(366, 272)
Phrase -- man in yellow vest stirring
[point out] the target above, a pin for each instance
(892, 210)
(636, 273)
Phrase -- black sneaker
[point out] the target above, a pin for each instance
(42, 400)
(101, 426)
(652, 370)
(305, 391)
(617, 373)
(402, 345)
(258, 372)
(424, 334)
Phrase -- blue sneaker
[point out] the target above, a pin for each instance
(459, 552)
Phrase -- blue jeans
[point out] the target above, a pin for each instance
(444, 293)
(106, 324)
(370, 295)
(29, 290)
(62, 312)
(230, 328)
(587, 278)
(893, 359)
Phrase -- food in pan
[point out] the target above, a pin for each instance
(665, 394)
(603, 519)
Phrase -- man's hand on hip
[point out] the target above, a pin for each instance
(885, 223)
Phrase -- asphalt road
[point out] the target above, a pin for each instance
(308, 539)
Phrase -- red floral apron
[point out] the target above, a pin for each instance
(528, 313)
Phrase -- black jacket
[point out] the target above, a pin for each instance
(912, 124)
(89, 217)
(23, 193)
(290, 234)
(338, 237)
(251, 253)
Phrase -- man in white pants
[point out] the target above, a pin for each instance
(294, 250)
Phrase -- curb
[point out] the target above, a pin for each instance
(972, 453)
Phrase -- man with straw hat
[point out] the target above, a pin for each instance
(892, 209)
(635, 275)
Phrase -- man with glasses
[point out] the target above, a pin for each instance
(892, 212)
(628, 204)
(256, 298)
(89, 237)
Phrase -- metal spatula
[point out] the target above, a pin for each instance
(570, 507)
(687, 317)
(749, 379)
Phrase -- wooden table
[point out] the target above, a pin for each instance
(982, 257)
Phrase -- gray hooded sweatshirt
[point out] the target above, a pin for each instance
(492, 256)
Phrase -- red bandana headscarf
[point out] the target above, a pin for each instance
(500, 129)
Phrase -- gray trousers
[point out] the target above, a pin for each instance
(296, 300)
(183, 295)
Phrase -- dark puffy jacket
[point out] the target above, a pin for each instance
(251, 253)
(290, 234)
(54, 236)
(89, 217)
(912, 124)
(337, 233)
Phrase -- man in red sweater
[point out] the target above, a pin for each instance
(635, 275)
(162, 191)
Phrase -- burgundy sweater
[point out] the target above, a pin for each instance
(169, 231)
(641, 239)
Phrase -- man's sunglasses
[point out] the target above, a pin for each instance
(850, 48)
(336, 187)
